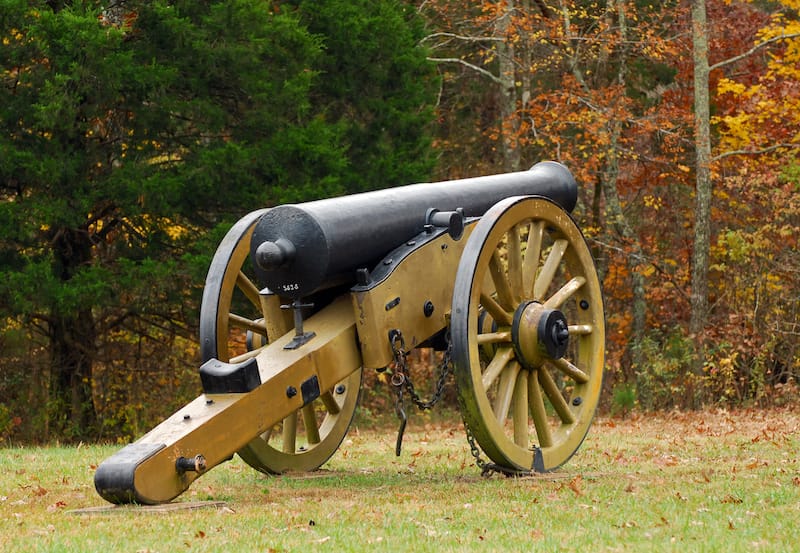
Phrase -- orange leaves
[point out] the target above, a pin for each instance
(576, 485)
(759, 108)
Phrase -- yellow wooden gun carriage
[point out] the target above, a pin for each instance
(301, 299)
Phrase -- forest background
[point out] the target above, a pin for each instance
(134, 134)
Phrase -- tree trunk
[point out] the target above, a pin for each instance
(509, 124)
(621, 224)
(635, 260)
(73, 343)
(702, 223)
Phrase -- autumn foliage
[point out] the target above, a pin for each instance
(606, 87)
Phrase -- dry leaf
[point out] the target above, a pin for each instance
(575, 485)
(56, 506)
(630, 488)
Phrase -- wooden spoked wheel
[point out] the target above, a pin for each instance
(236, 323)
(528, 335)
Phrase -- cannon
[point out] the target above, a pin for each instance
(301, 299)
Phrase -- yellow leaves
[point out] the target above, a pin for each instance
(652, 202)
(773, 283)
(762, 112)
(726, 86)
(736, 131)
(648, 270)
(15, 35)
(10, 323)
(174, 230)
(734, 245)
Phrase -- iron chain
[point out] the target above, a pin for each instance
(488, 468)
(401, 382)
(401, 379)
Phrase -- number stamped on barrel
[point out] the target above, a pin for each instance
(290, 287)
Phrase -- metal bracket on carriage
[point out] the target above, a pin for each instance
(300, 337)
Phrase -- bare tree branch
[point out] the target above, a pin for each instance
(755, 152)
(752, 50)
(474, 67)
(648, 260)
(463, 38)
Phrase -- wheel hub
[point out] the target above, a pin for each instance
(538, 334)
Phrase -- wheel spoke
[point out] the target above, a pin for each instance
(330, 403)
(246, 355)
(533, 250)
(539, 413)
(500, 315)
(582, 330)
(275, 320)
(248, 288)
(505, 391)
(564, 293)
(494, 337)
(310, 423)
(571, 370)
(290, 433)
(549, 268)
(519, 409)
(554, 395)
(504, 296)
(496, 366)
(247, 324)
(515, 265)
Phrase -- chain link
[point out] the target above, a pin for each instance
(401, 381)
(487, 467)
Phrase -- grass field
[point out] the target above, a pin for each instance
(701, 481)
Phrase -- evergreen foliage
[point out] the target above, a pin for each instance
(132, 136)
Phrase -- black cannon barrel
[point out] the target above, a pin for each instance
(302, 248)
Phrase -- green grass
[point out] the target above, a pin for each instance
(705, 481)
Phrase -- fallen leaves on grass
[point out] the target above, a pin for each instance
(576, 485)
(731, 499)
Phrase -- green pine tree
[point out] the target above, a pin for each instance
(130, 138)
